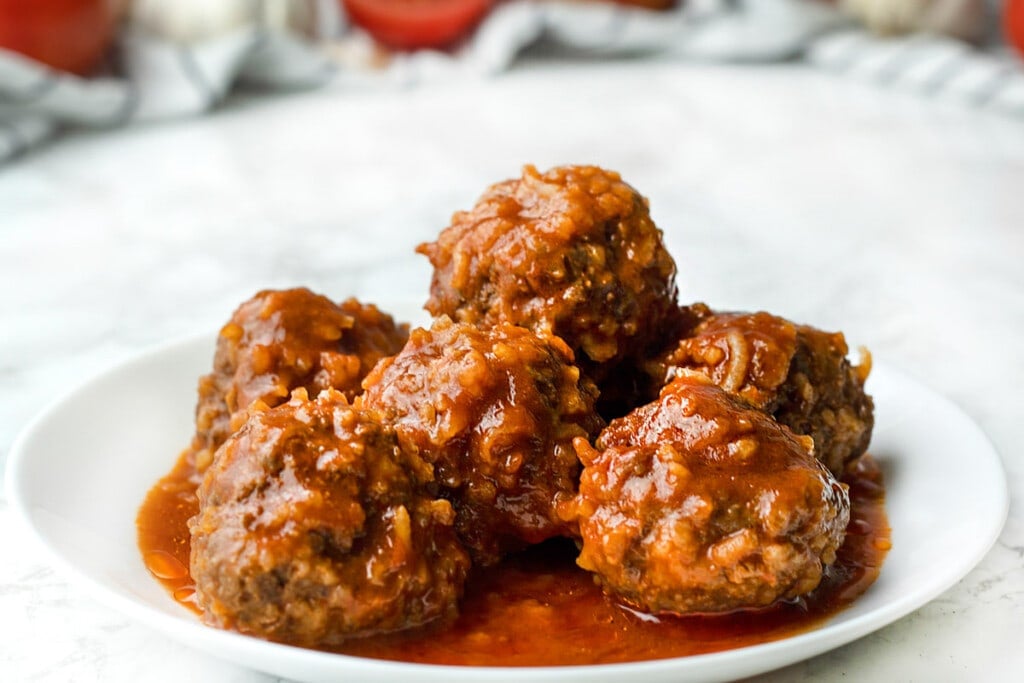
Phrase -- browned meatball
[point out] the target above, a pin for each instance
(700, 503)
(312, 529)
(571, 252)
(495, 411)
(798, 374)
(279, 341)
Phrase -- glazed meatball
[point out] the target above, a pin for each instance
(495, 410)
(279, 341)
(798, 374)
(571, 252)
(312, 528)
(700, 503)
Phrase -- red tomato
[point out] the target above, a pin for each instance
(69, 35)
(412, 24)
(1015, 24)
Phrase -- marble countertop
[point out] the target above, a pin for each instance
(896, 219)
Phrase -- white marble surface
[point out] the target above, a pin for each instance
(895, 219)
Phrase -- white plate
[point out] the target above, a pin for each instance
(78, 473)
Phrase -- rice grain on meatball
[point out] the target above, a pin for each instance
(282, 340)
(313, 528)
(700, 503)
(571, 252)
(798, 374)
(495, 411)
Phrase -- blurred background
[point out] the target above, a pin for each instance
(106, 63)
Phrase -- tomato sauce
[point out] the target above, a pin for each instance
(539, 609)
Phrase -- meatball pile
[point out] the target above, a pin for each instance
(354, 474)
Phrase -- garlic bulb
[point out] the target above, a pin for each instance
(188, 21)
(964, 19)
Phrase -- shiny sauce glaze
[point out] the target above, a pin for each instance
(539, 609)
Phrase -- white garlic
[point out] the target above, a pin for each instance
(963, 19)
(189, 21)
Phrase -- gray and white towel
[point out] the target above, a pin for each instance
(182, 57)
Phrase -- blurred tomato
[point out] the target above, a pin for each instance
(1015, 24)
(69, 35)
(412, 24)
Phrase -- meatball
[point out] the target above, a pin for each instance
(279, 341)
(798, 374)
(495, 411)
(571, 252)
(313, 528)
(699, 503)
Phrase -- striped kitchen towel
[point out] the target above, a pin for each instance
(932, 66)
(182, 57)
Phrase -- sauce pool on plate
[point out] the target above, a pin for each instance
(539, 609)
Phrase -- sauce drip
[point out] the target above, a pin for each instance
(539, 609)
